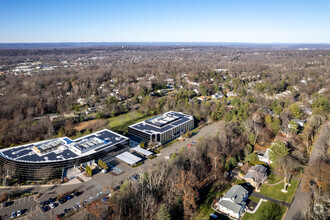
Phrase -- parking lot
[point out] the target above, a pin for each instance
(98, 183)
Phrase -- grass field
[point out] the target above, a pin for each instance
(267, 210)
(121, 122)
(276, 193)
(272, 178)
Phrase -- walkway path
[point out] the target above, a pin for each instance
(270, 199)
(273, 184)
(256, 208)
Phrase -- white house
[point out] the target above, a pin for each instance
(217, 95)
(233, 202)
(265, 157)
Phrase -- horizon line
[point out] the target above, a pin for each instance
(171, 42)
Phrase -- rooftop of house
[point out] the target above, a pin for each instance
(60, 149)
(254, 170)
(235, 198)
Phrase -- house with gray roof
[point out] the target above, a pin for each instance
(233, 202)
(256, 175)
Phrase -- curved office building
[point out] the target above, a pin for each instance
(48, 159)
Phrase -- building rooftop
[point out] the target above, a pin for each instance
(60, 149)
(162, 123)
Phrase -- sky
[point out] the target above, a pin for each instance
(250, 21)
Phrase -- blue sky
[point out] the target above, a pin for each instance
(280, 21)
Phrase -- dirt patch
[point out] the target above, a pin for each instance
(258, 147)
(93, 124)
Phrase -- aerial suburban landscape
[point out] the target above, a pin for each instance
(102, 126)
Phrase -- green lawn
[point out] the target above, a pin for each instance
(276, 193)
(272, 178)
(267, 210)
(121, 122)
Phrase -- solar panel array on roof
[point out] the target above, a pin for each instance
(63, 148)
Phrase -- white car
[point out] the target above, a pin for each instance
(19, 213)
(51, 205)
(104, 171)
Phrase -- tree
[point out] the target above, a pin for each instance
(102, 164)
(294, 127)
(288, 165)
(247, 150)
(163, 213)
(278, 149)
(142, 144)
(89, 171)
(321, 106)
(296, 111)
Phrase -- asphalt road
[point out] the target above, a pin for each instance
(301, 199)
(97, 184)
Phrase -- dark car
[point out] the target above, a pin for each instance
(67, 210)
(51, 200)
(68, 197)
(78, 193)
(44, 208)
(45, 203)
(8, 204)
(62, 200)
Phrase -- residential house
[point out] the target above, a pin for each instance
(231, 94)
(265, 158)
(233, 202)
(82, 101)
(203, 98)
(299, 122)
(217, 95)
(256, 175)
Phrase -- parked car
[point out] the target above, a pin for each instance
(75, 207)
(44, 208)
(8, 204)
(62, 200)
(13, 214)
(51, 200)
(67, 210)
(68, 197)
(59, 216)
(19, 213)
(104, 171)
(213, 216)
(77, 193)
(51, 205)
(79, 205)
